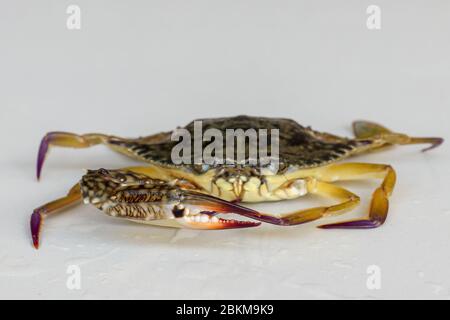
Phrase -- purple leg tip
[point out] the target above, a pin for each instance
(356, 224)
(43, 148)
(437, 142)
(35, 226)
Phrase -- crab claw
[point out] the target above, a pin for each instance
(200, 212)
(211, 222)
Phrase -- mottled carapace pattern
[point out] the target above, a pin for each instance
(299, 147)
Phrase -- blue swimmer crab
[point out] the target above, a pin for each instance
(194, 195)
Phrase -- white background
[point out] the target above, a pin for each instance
(140, 67)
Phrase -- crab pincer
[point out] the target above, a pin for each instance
(200, 211)
(138, 198)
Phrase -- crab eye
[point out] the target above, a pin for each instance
(120, 177)
(103, 171)
(178, 211)
(201, 168)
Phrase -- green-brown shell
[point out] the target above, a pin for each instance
(299, 147)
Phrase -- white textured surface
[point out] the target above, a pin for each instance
(139, 67)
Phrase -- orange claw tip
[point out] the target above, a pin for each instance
(215, 223)
(234, 224)
(35, 226)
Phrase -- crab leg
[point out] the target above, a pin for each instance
(371, 130)
(433, 141)
(68, 140)
(379, 205)
(72, 198)
(347, 198)
(401, 139)
(72, 140)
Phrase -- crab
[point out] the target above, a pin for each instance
(199, 196)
